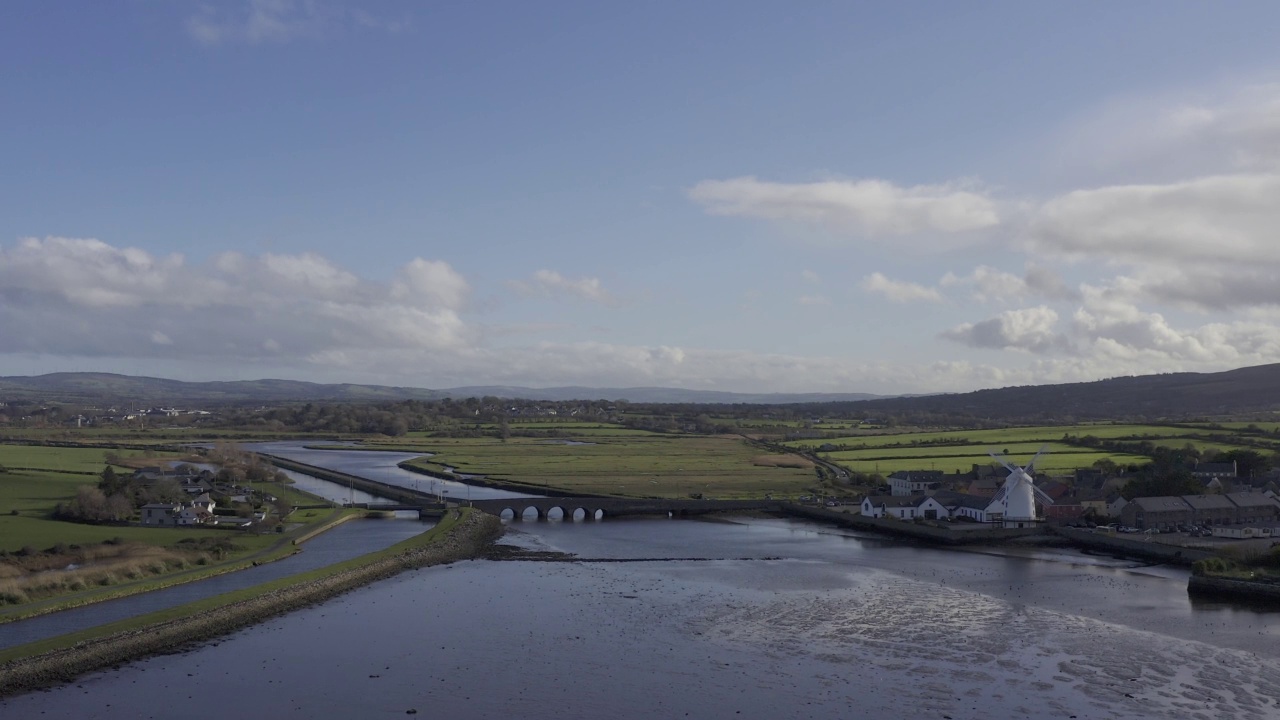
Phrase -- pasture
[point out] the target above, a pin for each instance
(654, 465)
(958, 450)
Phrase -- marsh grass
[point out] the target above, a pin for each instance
(41, 575)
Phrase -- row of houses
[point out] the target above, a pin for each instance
(1232, 508)
(941, 505)
(198, 482)
(197, 512)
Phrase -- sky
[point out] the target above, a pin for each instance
(749, 196)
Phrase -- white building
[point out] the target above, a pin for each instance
(904, 508)
(914, 482)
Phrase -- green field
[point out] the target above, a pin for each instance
(964, 460)
(645, 466)
(958, 450)
(91, 460)
(1001, 437)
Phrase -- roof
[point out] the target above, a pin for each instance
(899, 501)
(1167, 503)
(1054, 489)
(1251, 499)
(1209, 502)
(917, 475)
(955, 499)
(1227, 468)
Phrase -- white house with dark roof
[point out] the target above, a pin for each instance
(904, 483)
(1215, 470)
(977, 508)
(904, 508)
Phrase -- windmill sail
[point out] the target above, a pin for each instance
(1017, 497)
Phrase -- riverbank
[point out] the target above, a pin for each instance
(1233, 588)
(284, 546)
(462, 535)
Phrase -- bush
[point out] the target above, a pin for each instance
(1213, 566)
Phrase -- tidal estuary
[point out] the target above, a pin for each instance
(780, 619)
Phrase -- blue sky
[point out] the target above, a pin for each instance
(905, 197)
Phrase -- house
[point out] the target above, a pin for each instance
(1096, 506)
(204, 503)
(1211, 485)
(914, 482)
(1255, 507)
(986, 487)
(1155, 512)
(1115, 505)
(195, 516)
(1214, 470)
(160, 514)
(904, 508)
(964, 505)
(1211, 509)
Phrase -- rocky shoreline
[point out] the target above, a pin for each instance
(468, 538)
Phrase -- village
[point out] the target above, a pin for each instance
(1230, 507)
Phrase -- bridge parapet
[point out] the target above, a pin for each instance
(594, 508)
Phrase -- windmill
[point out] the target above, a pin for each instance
(1017, 497)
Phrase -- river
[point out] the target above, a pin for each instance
(381, 466)
(761, 618)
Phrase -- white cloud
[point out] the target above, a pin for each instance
(277, 21)
(810, 277)
(1211, 221)
(813, 300)
(868, 207)
(987, 284)
(83, 297)
(1226, 129)
(1028, 329)
(430, 282)
(898, 290)
(549, 283)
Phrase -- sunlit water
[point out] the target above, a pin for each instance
(761, 618)
(781, 619)
(377, 465)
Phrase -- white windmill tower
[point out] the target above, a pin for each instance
(1017, 498)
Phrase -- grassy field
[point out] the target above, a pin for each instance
(723, 467)
(1001, 437)
(963, 461)
(958, 450)
(74, 460)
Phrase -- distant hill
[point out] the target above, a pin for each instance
(654, 395)
(1246, 391)
(108, 387)
(112, 388)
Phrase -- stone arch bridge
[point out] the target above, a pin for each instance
(599, 508)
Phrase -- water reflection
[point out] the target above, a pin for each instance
(838, 625)
(378, 465)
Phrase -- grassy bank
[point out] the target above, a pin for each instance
(459, 536)
(267, 548)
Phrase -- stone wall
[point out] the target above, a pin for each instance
(1141, 546)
